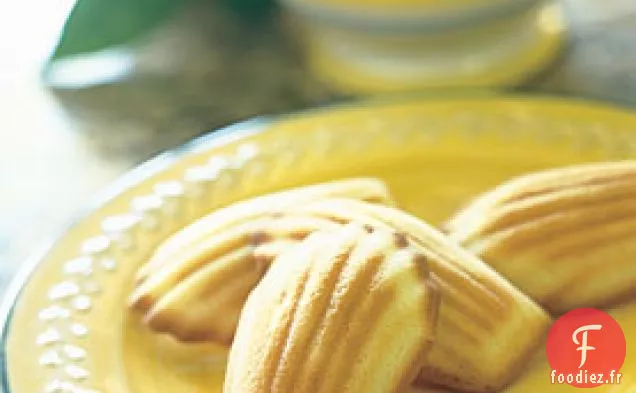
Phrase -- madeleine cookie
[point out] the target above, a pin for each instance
(196, 283)
(487, 328)
(366, 189)
(566, 237)
(351, 310)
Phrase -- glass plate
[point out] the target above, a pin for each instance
(66, 327)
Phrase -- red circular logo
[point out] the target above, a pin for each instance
(586, 348)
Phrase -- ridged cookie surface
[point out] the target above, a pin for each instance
(197, 291)
(197, 281)
(487, 327)
(566, 237)
(351, 310)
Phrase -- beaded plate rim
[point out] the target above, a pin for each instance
(223, 136)
(137, 175)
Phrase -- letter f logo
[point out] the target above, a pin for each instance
(583, 344)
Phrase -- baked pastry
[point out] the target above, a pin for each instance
(566, 237)
(487, 328)
(366, 189)
(351, 310)
(196, 283)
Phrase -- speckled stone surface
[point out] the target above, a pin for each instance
(204, 70)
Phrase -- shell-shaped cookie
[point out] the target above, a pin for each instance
(365, 189)
(566, 237)
(351, 310)
(196, 282)
(482, 315)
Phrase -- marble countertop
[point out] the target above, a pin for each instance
(59, 146)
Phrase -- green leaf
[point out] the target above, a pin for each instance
(94, 25)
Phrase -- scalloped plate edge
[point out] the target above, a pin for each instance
(139, 174)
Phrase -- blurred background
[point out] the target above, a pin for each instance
(90, 89)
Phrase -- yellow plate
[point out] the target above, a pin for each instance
(68, 328)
